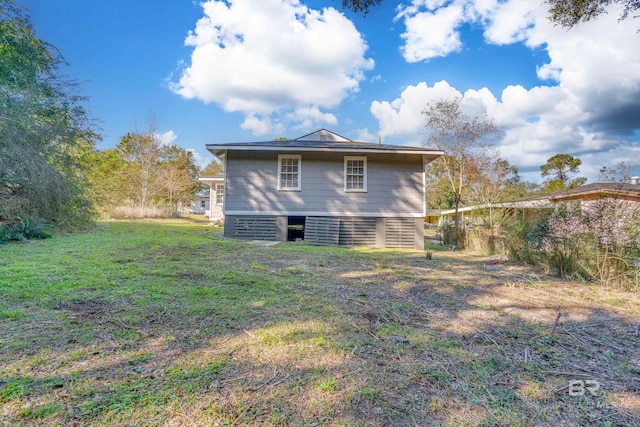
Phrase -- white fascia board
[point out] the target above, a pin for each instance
(215, 149)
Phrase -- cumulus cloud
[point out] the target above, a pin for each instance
(589, 107)
(267, 58)
(198, 158)
(429, 35)
(364, 135)
(167, 138)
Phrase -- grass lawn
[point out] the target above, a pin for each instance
(167, 323)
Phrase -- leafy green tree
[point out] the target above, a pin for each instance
(46, 138)
(462, 137)
(558, 171)
(178, 175)
(107, 180)
(494, 180)
(144, 172)
(141, 152)
(212, 169)
(439, 193)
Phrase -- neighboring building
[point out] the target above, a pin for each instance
(629, 192)
(200, 205)
(325, 189)
(214, 201)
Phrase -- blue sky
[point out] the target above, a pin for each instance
(243, 70)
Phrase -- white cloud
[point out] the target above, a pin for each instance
(403, 116)
(363, 135)
(258, 125)
(198, 158)
(429, 35)
(310, 118)
(590, 108)
(167, 138)
(272, 56)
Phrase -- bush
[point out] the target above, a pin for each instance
(597, 240)
(26, 229)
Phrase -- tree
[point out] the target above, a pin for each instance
(462, 137)
(569, 13)
(212, 169)
(141, 152)
(106, 180)
(621, 173)
(46, 137)
(566, 13)
(361, 5)
(559, 168)
(178, 175)
(143, 172)
(440, 195)
(494, 180)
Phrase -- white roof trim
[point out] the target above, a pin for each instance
(425, 152)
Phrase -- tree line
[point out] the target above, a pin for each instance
(50, 169)
(142, 177)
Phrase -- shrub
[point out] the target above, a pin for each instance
(596, 240)
(26, 229)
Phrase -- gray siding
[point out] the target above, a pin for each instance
(394, 183)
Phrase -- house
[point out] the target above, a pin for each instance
(200, 205)
(582, 196)
(325, 189)
(212, 204)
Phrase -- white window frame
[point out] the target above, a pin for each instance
(282, 157)
(364, 177)
(219, 194)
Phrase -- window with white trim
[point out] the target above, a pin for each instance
(219, 194)
(289, 167)
(355, 173)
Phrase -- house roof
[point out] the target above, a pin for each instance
(318, 141)
(596, 190)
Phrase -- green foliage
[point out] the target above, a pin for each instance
(212, 169)
(559, 169)
(26, 229)
(462, 137)
(45, 134)
(439, 194)
(142, 177)
(14, 390)
(596, 242)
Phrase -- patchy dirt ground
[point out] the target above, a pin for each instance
(169, 324)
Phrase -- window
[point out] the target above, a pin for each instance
(219, 194)
(355, 174)
(289, 172)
